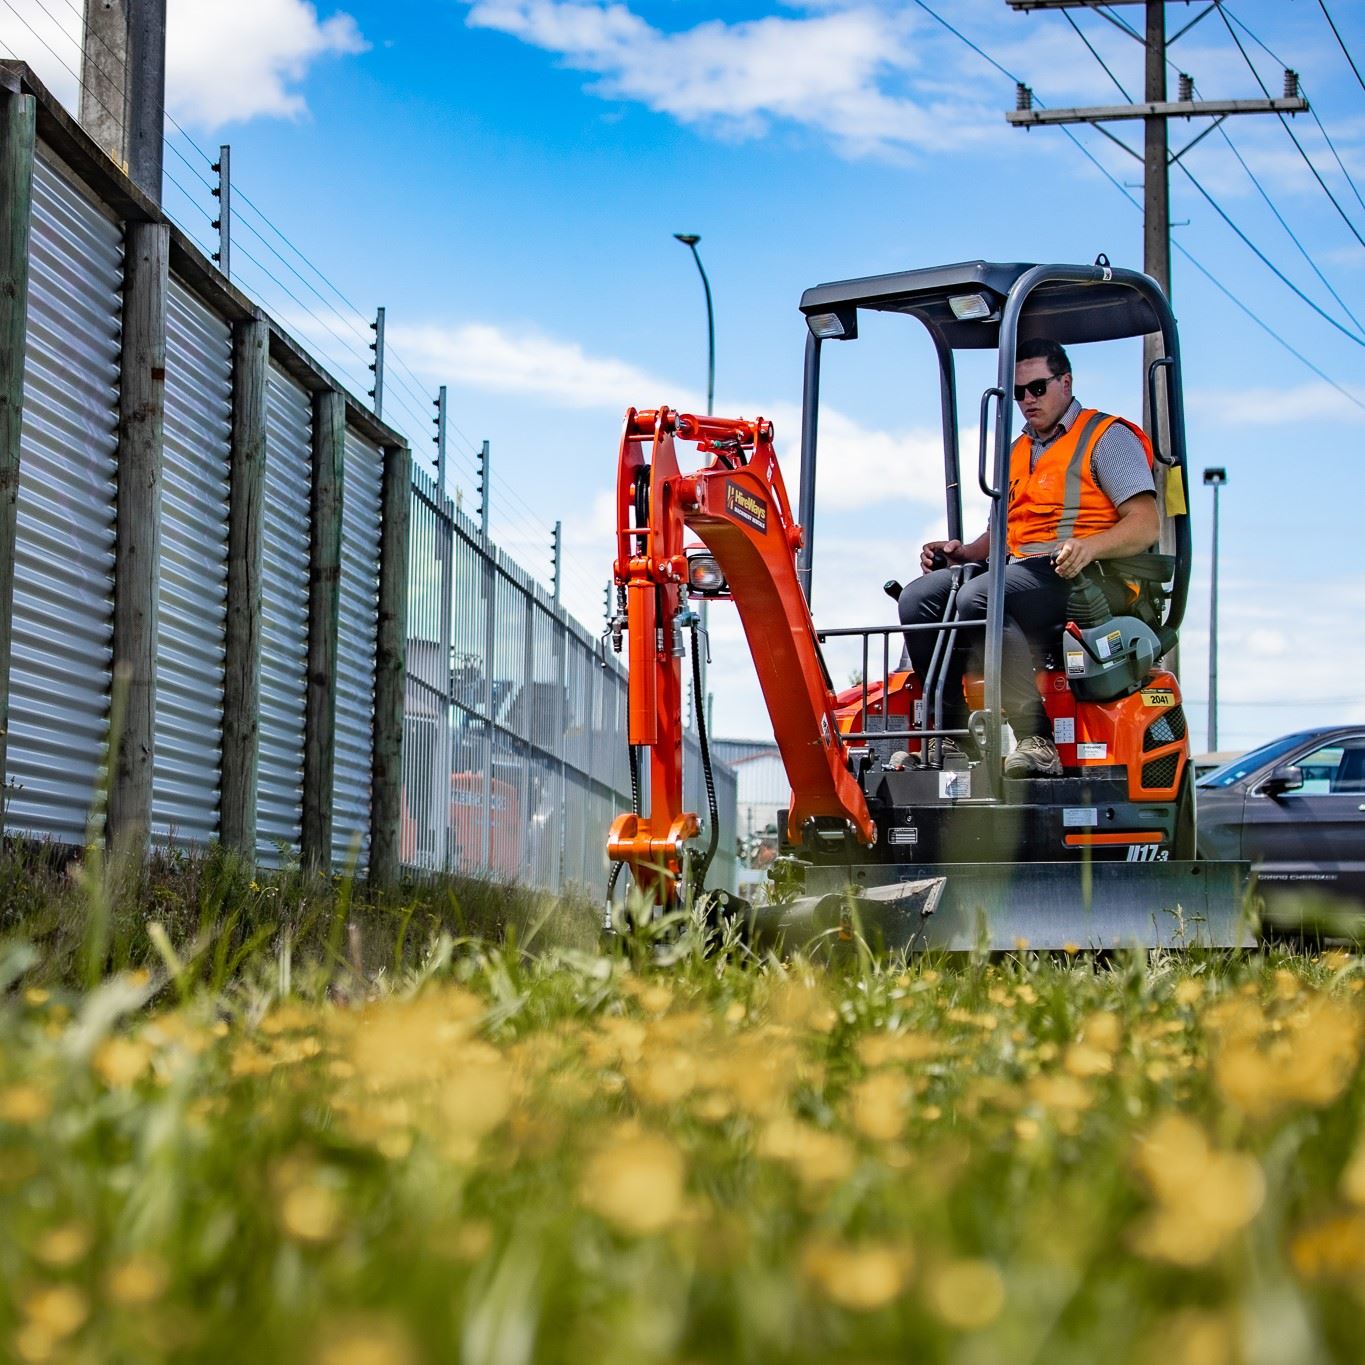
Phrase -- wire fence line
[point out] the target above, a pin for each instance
(514, 752)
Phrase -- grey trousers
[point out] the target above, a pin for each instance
(1035, 610)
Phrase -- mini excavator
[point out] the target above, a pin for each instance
(890, 833)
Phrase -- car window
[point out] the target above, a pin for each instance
(1248, 763)
(1335, 767)
(1320, 770)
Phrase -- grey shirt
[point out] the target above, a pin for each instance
(1118, 461)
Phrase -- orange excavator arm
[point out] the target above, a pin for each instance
(737, 505)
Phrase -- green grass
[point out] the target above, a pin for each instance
(381, 1132)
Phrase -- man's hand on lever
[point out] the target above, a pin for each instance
(937, 554)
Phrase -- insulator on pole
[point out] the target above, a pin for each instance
(1023, 97)
(1291, 84)
(1186, 86)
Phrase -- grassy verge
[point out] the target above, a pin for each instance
(459, 1150)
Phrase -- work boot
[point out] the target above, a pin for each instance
(1034, 756)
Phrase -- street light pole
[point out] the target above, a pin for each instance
(690, 240)
(1215, 479)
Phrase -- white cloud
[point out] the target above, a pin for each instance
(528, 362)
(847, 71)
(860, 466)
(225, 62)
(1262, 407)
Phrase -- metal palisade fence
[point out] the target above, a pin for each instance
(514, 756)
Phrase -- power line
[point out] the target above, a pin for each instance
(1265, 260)
(1066, 14)
(1303, 250)
(1264, 195)
(1284, 123)
(1341, 42)
(1185, 252)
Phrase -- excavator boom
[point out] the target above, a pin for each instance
(736, 504)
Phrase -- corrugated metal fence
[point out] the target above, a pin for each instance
(514, 756)
(512, 722)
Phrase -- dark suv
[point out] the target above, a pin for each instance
(1294, 809)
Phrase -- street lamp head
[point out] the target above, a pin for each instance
(688, 238)
(1215, 477)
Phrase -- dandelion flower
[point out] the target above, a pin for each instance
(967, 1295)
(636, 1183)
(60, 1310)
(22, 1104)
(859, 1278)
(366, 1341)
(63, 1246)
(136, 1281)
(310, 1213)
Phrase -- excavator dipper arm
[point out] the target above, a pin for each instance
(737, 505)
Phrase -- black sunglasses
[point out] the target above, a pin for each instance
(1037, 387)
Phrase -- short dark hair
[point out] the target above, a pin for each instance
(1044, 348)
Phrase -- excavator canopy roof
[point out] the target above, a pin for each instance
(1066, 311)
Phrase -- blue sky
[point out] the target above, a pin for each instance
(505, 176)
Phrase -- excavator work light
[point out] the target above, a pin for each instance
(972, 308)
(704, 576)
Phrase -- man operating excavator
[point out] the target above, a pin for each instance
(1080, 490)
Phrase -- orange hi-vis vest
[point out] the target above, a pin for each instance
(1059, 498)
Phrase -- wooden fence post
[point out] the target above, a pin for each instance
(390, 675)
(142, 410)
(324, 597)
(242, 677)
(18, 121)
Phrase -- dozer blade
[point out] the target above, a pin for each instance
(999, 907)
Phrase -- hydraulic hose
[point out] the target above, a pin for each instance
(616, 867)
(713, 810)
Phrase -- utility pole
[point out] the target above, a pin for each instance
(223, 194)
(1155, 112)
(1215, 479)
(123, 85)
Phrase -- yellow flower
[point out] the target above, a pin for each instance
(878, 1106)
(1084, 1060)
(859, 1278)
(881, 1049)
(818, 1158)
(735, 1012)
(636, 1182)
(1309, 1062)
(36, 995)
(310, 1213)
(1204, 1196)
(1192, 1336)
(136, 1281)
(967, 1295)
(63, 1246)
(1334, 1249)
(1188, 991)
(20, 1104)
(58, 1309)
(365, 1341)
(1353, 1178)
